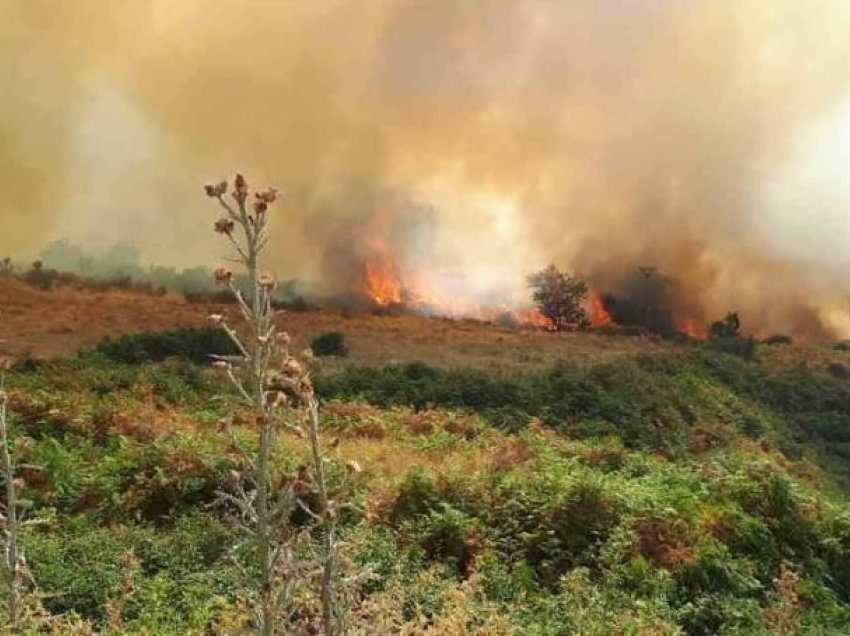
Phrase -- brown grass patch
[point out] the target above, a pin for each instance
(63, 321)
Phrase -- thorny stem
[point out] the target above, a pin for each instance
(257, 356)
(11, 556)
(256, 389)
(327, 519)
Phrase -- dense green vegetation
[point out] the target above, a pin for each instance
(189, 343)
(657, 495)
(654, 403)
(330, 343)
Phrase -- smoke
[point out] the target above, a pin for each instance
(482, 138)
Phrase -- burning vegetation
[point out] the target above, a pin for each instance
(557, 302)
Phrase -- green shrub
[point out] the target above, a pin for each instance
(180, 580)
(739, 346)
(650, 402)
(838, 370)
(445, 534)
(190, 343)
(330, 343)
(777, 339)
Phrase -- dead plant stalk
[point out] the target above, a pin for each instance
(273, 394)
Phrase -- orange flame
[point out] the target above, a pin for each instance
(531, 318)
(380, 277)
(692, 328)
(598, 315)
(384, 284)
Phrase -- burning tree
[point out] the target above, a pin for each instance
(560, 297)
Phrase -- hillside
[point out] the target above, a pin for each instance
(502, 482)
(59, 322)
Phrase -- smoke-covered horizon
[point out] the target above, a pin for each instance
(479, 140)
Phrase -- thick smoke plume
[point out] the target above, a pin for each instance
(474, 140)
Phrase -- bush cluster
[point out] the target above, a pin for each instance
(652, 402)
(190, 343)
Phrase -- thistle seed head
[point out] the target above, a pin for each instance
(292, 368)
(215, 189)
(224, 226)
(223, 275)
(269, 196)
(240, 188)
(267, 282)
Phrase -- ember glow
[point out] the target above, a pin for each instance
(692, 328)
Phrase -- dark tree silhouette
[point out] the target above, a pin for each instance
(729, 327)
(559, 296)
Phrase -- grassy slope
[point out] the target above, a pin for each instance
(644, 488)
(53, 323)
(657, 493)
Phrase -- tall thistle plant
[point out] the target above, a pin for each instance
(276, 387)
(13, 564)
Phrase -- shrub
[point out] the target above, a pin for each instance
(330, 343)
(729, 327)
(190, 343)
(777, 339)
(743, 347)
(838, 370)
(446, 534)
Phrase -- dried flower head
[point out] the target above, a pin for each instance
(233, 478)
(240, 188)
(224, 226)
(277, 399)
(284, 338)
(269, 196)
(292, 368)
(266, 281)
(215, 189)
(260, 208)
(223, 275)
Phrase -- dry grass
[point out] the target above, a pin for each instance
(808, 356)
(60, 322)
